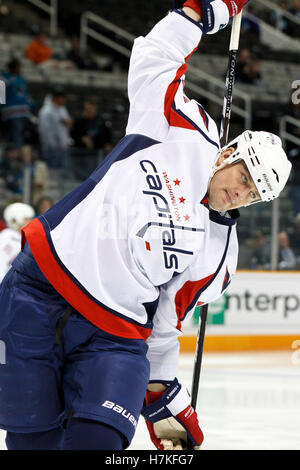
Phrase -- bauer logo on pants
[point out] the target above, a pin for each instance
(119, 409)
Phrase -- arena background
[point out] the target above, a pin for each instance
(88, 61)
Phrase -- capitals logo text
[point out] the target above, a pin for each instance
(168, 232)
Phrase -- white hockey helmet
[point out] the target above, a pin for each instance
(265, 159)
(16, 213)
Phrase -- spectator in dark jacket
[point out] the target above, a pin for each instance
(16, 111)
(83, 61)
(91, 139)
(90, 131)
(247, 68)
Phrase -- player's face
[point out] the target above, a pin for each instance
(232, 186)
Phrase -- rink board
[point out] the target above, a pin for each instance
(259, 311)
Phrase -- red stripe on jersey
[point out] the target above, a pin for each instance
(203, 115)
(35, 235)
(172, 117)
(185, 296)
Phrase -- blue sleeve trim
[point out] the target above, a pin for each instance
(181, 12)
(166, 383)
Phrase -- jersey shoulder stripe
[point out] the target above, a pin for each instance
(129, 145)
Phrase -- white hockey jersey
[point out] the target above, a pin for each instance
(135, 246)
(10, 246)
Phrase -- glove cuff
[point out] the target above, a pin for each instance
(174, 400)
(233, 7)
(215, 16)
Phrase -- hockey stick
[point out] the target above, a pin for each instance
(233, 49)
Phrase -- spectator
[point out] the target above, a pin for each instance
(293, 28)
(16, 216)
(11, 169)
(38, 51)
(16, 111)
(5, 18)
(260, 258)
(2, 221)
(247, 68)
(54, 123)
(43, 205)
(83, 61)
(243, 59)
(295, 235)
(40, 179)
(245, 254)
(92, 140)
(4, 10)
(278, 19)
(287, 258)
(250, 26)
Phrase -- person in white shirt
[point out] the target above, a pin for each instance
(54, 124)
(16, 216)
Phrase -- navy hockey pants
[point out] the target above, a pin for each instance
(56, 370)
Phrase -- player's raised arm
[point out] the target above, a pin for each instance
(159, 62)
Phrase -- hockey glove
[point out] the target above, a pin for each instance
(215, 14)
(170, 419)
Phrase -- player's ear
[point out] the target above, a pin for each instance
(225, 154)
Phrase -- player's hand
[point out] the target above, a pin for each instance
(234, 6)
(215, 14)
(170, 419)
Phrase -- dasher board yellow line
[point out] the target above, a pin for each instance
(215, 343)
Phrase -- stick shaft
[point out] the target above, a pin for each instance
(233, 48)
(198, 356)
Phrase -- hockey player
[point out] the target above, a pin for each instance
(92, 309)
(16, 216)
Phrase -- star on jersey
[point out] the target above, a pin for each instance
(177, 182)
(182, 200)
(186, 217)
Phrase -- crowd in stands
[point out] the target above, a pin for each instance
(281, 22)
(40, 54)
(48, 134)
(255, 251)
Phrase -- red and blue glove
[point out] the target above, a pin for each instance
(215, 14)
(170, 419)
